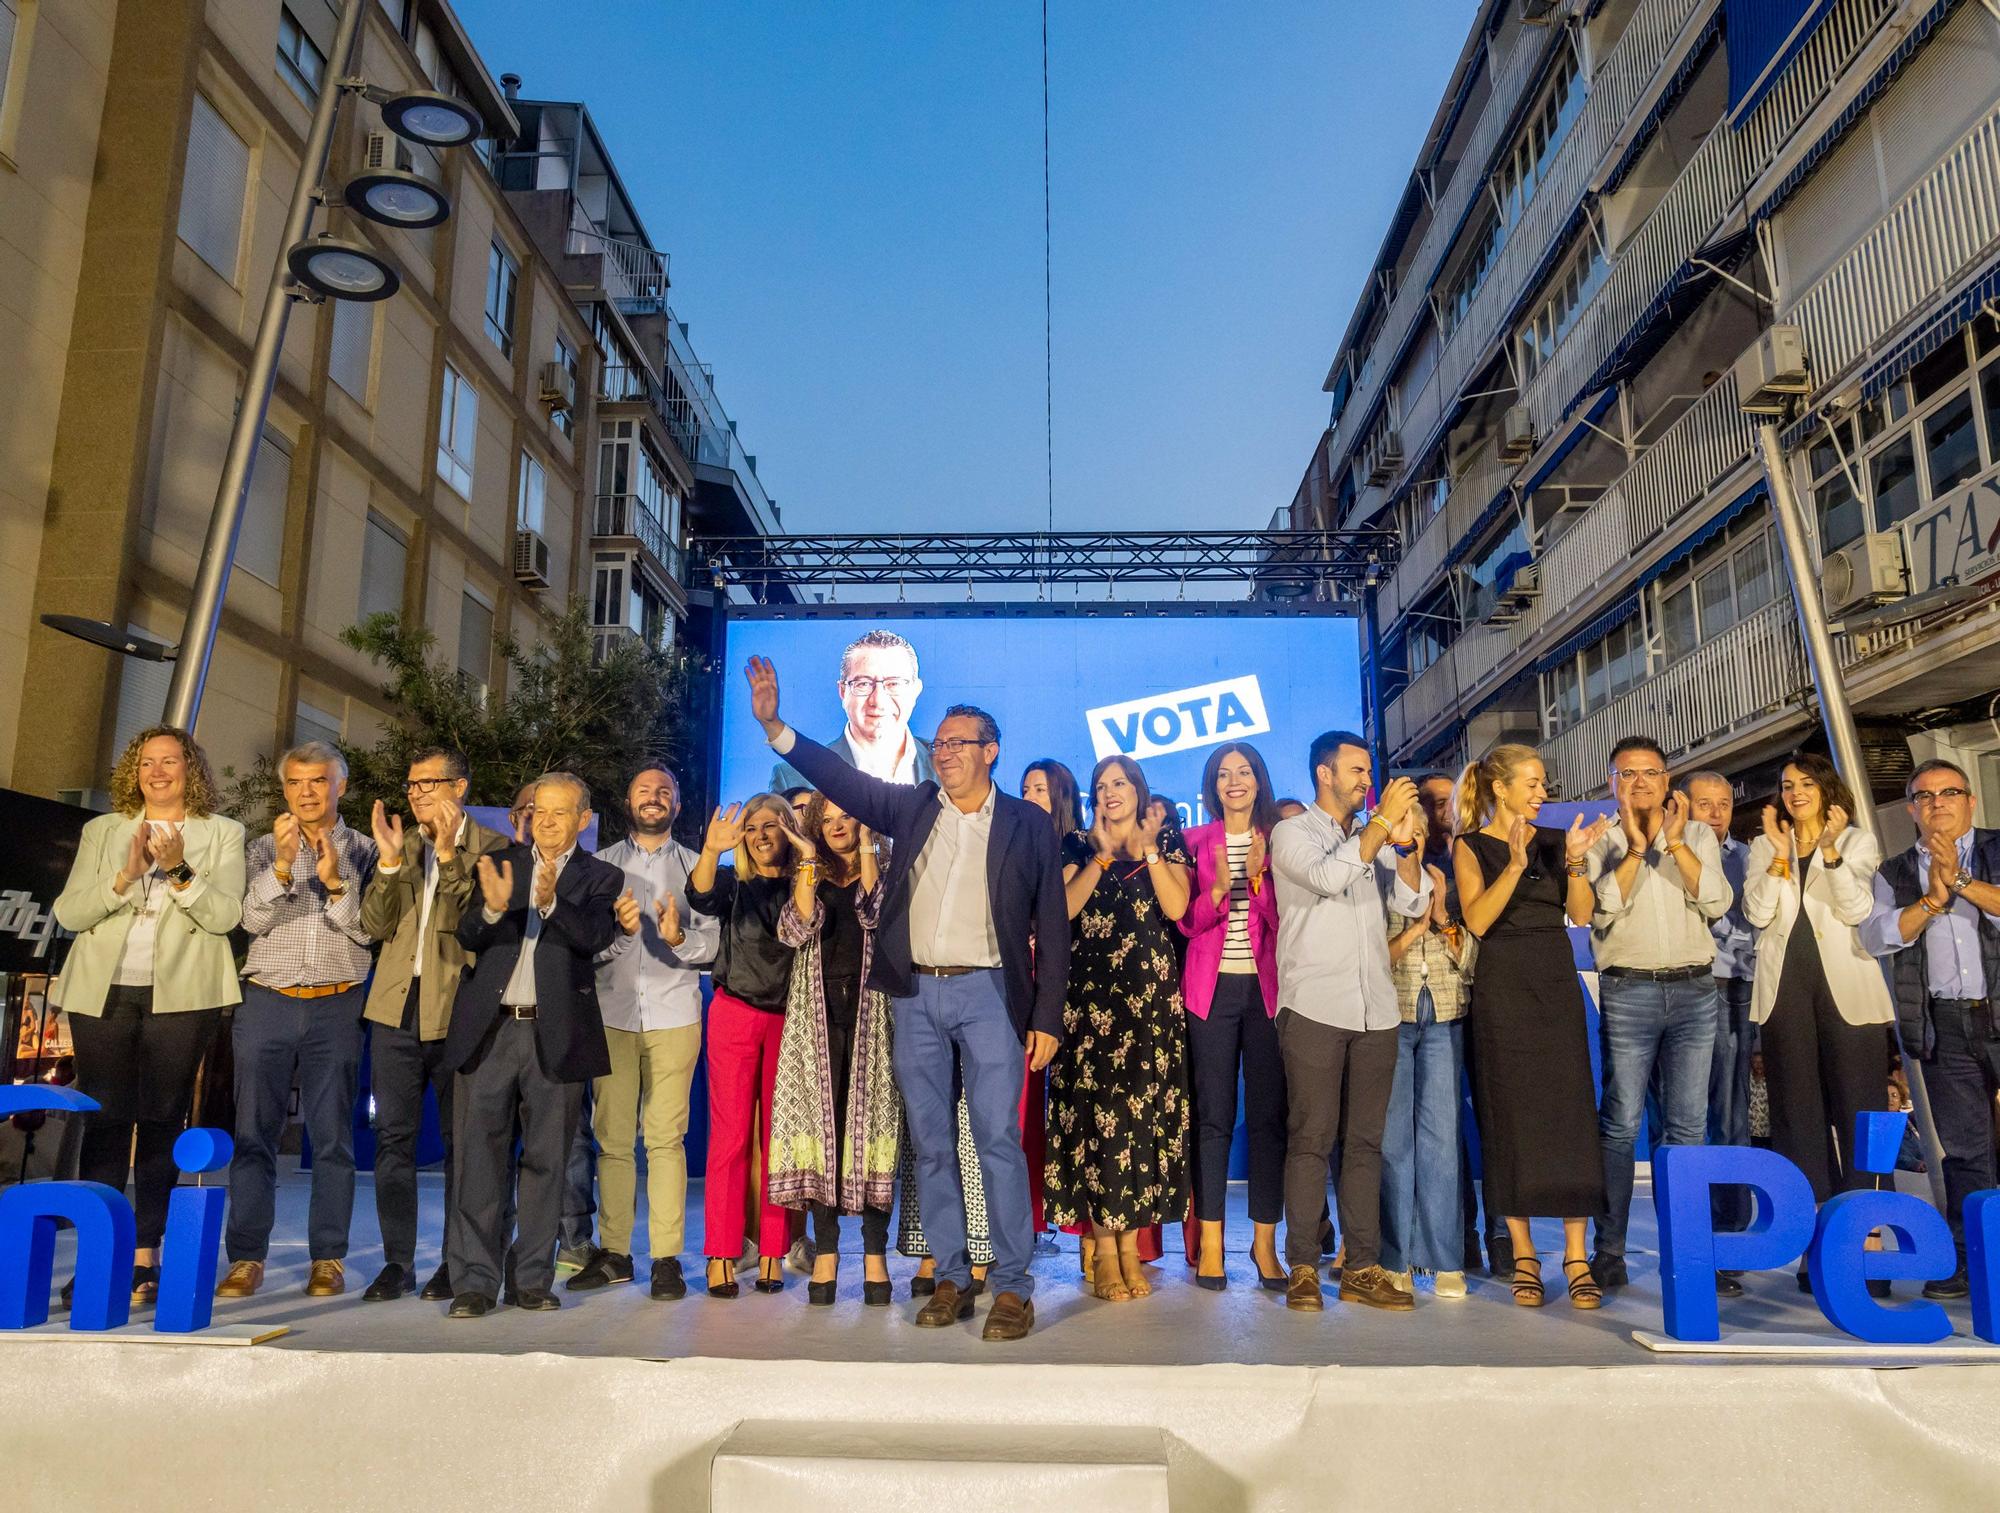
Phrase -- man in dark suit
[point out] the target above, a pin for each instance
(973, 946)
(525, 1039)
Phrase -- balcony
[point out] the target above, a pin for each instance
(1749, 673)
(628, 383)
(632, 275)
(625, 517)
(1424, 558)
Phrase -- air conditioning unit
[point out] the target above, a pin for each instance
(1527, 584)
(558, 387)
(1517, 434)
(531, 559)
(1540, 12)
(385, 151)
(1772, 371)
(1384, 459)
(1865, 572)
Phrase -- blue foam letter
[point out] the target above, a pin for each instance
(1840, 1266)
(194, 1230)
(1982, 1261)
(105, 1239)
(1691, 1251)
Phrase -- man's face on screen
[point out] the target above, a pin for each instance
(878, 689)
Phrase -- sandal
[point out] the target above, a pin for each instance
(1114, 1290)
(1583, 1291)
(1528, 1284)
(721, 1277)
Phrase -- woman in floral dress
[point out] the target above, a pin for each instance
(1118, 1103)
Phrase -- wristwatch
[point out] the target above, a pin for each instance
(180, 874)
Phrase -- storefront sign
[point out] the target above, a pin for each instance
(1956, 540)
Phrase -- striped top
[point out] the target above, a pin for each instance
(1236, 954)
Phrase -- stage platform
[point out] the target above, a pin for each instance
(618, 1401)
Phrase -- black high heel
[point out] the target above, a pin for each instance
(726, 1288)
(820, 1294)
(772, 1283)
(921, 1286)
(875, 1294)
(1211, 1284)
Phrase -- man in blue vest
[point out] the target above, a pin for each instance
(1941, 898)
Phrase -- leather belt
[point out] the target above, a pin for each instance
(1657, 974)
(518, 1010)
(320, 990)
(947, 971)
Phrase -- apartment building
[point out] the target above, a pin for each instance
(523, 421)
(1617, 200)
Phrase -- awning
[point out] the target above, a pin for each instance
(1592, 633)
(1957, 314)
(1684, 290)
(1677, 86)
(1764, 37)
(1577, 431)
(1713, 527)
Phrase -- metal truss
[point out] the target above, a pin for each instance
(1336, 564)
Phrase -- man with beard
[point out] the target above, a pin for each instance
(649, 988)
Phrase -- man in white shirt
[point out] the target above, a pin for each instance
(878, 688)
(649, 990)
(1659, 885)
(1337, 1011)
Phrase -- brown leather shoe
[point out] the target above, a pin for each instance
(1375, 1287)
(1303, 1291)
(1010, 1318)
(243, 1280)
(947, 1306)
(328, 1279)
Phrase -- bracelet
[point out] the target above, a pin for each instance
(1104, 863)
(1578, 869)
(1780, 869)
(1672, 846)
(1376, 819)
(1152, 858)
(1929, 908)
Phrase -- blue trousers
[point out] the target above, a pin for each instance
(962, 1022)
(320, 1040)
(1421, 1221)
(1729, 1091)
(1646, 1025)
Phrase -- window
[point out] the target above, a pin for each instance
(534, 488)
(1951, 445)
(1892, 479)
(218, 171)
(1463, 286)
(475, 637)
(1840, 514)
(1728, 581)
(1677, 636)
(9, 23)
(458, 431)
(1522, 171)
(385, 556)
(502, 275)
(1569, 291)
(300, 61)
(1565, 695)
(1711, 592)
(1992, 393)
(310, 724)
(352, 346)
(260, 540)
(607, 600)
(1752, 566)
(566, 360)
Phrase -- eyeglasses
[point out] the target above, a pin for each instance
(895, 688)
(1627, 774)
(1939, 795)
(428, 785)
(946, 748)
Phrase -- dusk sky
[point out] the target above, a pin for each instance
(851, 194)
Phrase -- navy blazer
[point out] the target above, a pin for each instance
(569, 1030)
(1024, 885)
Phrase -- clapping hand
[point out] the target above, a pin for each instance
(1836, 822)
(1673, 828)
(326, 862)
(138, 858)
(668, 912)
(545, 887)
(1944, 867)
(1776, 832)
(1149, 825)
(626, 907)
(388, 830)
(1259, 854)
(1397, 802)
(1517, 843)
(725, 830)
(1440, 909)
(1636, 838)
(169, 848)
(1223, 880)
(1403, 831)
(444, 827)
(1100, 834)
(284, 846)
(496, 885)
(1581, 837)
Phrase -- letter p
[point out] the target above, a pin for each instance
(1691, 1252)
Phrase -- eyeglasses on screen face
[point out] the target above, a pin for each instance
(895, 688)
(1939, 795)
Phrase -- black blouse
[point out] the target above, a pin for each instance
(753, 964)
(840, 950)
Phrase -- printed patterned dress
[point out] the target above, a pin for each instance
(1118, 1131)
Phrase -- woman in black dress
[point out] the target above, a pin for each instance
(1118, 1104)
(1518, 886)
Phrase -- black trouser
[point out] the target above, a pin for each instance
(140, 1067)
(1821, 1072)
(1961, 1078)
(1331, 1072)
(840, 1063)
(401, 1067)
(502, 1083)
(1237, 1032)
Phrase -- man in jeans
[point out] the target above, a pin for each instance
(1338, 1018)
(301, 1014)
(1659, 884)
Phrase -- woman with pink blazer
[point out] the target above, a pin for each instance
(1231, 989)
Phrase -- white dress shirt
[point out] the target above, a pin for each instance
(951, 917)
(1660, 925)
(1333, 942)
(520, 989)
(642, 982)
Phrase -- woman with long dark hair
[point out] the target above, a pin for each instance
(1819, 1001)
(1231, 989)
(1118, 1107)
(837, 1113)
(1051, 786)
(156, 887)
(746, 1021)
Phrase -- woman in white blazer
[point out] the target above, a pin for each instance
(1821, 1005)
(152, 896)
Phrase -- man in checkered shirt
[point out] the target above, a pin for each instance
(300, 1015)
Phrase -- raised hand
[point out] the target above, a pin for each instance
(1636, 838)
(1220, 891)
(1149, 825)
(1775, 832)
(1581, 837)
(1440, 910)
(1397, 800)
(169, 848)
(1674, 823)
(1944, 867)
(388, 830)
(626, 907)
(802, 844)
(725, 830)
(668, 912)
(284, 846)
(1404, 831)
(1100, 834)
(763, 693)
(138, 858)
(444, 827)
(1836, 822)
(326, 863)
(496, 885)
(1518, 839)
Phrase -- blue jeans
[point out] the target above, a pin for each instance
(1421, 1221)
(1729, 1091)
(1644, 1025)
(963, 1022)
(320, 1040)
(579, 1182)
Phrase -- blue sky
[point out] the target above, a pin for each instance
(851, 192)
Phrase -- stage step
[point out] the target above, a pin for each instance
(889, 1468)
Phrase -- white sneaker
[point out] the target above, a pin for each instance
(1402, 1279)
(1450, 1284)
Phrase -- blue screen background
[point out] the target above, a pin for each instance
(1039, 676)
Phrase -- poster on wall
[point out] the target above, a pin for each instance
(41, 843)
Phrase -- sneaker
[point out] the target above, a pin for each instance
(575, 1257)
(1450, 1284)
(604, 1269)
(242, 1281)
(1951, 1288)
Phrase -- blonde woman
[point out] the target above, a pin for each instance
(1519, 886)
(156, 888)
